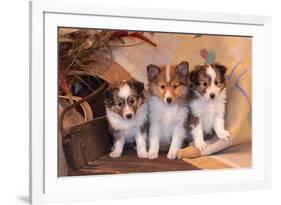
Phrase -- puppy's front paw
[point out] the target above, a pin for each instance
(152, 154)
(200, 144)
(172, 154)
(115, 154)
(142, 154)
(224, 135)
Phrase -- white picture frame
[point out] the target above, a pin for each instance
(45, 186)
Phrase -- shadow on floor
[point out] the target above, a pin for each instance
(24, 199)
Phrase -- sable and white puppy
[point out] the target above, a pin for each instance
(168, 110)
(208, 88)
(126, 112)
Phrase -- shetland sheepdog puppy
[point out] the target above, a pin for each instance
(168, 110)
(207, 104)
(126, 112)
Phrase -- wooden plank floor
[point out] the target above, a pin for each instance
(130, 163)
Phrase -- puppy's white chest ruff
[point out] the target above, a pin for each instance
(166, 116)
(128, 128)
(207, 110)
(207, 117)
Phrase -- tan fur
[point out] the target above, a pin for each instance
(170, 81)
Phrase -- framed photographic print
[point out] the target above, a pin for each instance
(129, 102)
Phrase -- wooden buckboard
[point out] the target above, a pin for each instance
(130, 163)
(86, 147)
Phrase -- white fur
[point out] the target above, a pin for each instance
(212, 88)
(167, 95)
(124, 91)
(168, 77)
(198, 136)
(211, 114)
(210, 71)
(166, 127)
(129, 131)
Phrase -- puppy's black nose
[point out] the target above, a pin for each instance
(169, 100)
(212, 95)
(129, 116)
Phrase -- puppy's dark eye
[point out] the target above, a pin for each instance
(119, 104)
(162, 86)
(217, 83)
(132, 101)
(175, 86)
(204, 84)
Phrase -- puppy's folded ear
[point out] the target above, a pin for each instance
(152, 72)
(138, 86)
(221, 68)
(183, 68)
(108, 96)
(193, 75)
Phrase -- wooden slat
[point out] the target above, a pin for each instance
(206, 162)
(130, 163)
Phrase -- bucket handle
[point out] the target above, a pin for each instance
(77, 103)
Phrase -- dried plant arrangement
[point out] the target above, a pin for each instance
(85, 54)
